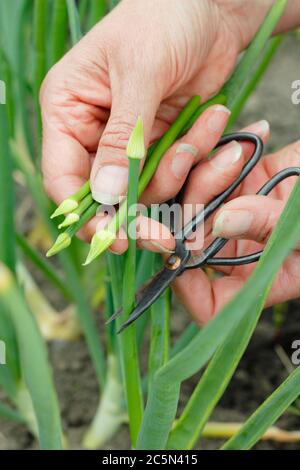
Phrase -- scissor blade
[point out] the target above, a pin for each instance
(114, 316)
(138, 297)
(151, 292)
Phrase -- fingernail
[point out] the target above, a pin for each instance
(187, 148)
(114, 252)
(183, 159)
(231, 224)
(110, 184)
(218, 119)
(229, 155)
(154, 246)
(261, 127)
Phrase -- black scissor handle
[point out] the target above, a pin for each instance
(207, 257)
(253, 257)
(199, 218)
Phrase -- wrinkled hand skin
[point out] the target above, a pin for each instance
(145, 58)
(148, 57)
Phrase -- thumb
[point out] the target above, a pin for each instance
(109, 174)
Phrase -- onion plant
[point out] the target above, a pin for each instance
(144, 397)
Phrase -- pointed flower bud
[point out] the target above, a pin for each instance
(71, 219)
(68, 205)
(136, 145)
(100, 242)
(71, 203)
(63, 241)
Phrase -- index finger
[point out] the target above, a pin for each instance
(184, 153)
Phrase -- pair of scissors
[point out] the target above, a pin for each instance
(182, 258)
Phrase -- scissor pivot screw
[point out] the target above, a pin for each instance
(173, 262)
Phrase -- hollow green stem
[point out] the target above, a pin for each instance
(82, 191)
(82, 11)
(130, 264)
(85, 198)
(59, 30)
(237, 103)
(86, 216)
(220, 98)
(39, 34)
(74, 21)
(160, 329)
(127, 340)
(243, 70)
(7, 198)
(166, 141)
(98, 10)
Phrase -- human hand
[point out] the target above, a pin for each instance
(247, 220)
(145, 58)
